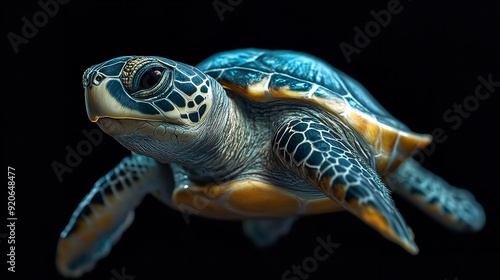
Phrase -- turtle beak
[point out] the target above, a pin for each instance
(100, 103)
(91, 106)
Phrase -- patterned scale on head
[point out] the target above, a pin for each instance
(261, 136)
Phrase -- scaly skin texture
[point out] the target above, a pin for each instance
(324, 159)
(251, 134)
(106, 213)
(452, 207)
(313, 153)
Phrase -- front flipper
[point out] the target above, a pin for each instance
(106, 212)
(319, 155)
(453, 207)
(265, 232)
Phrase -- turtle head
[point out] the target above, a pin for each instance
(147, 101)
(147, 88)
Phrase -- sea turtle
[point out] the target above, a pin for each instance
(262, 136)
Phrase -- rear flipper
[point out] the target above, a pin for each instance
(266, 232)
(453, 207)
(106, 212)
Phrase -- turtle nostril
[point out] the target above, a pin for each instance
(97, 78)
(93, 77)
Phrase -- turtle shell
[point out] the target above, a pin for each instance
(266, 75)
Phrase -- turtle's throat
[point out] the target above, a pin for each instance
(230, 145)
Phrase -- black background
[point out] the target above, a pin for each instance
(427, 59)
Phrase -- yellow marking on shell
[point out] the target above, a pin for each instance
(370, 130)
(285, 91)
(389, 138)
(383, 140)
(248, 198)
(257, 91)
(322, 205)
(238, 199)
(261, 91)
(195, 199)
(333, 105)
(261, 198)
(409, 142)
(381, 161)
(232, 86)
(379, 136)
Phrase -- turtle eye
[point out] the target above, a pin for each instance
(150, 78)
(149, 81)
